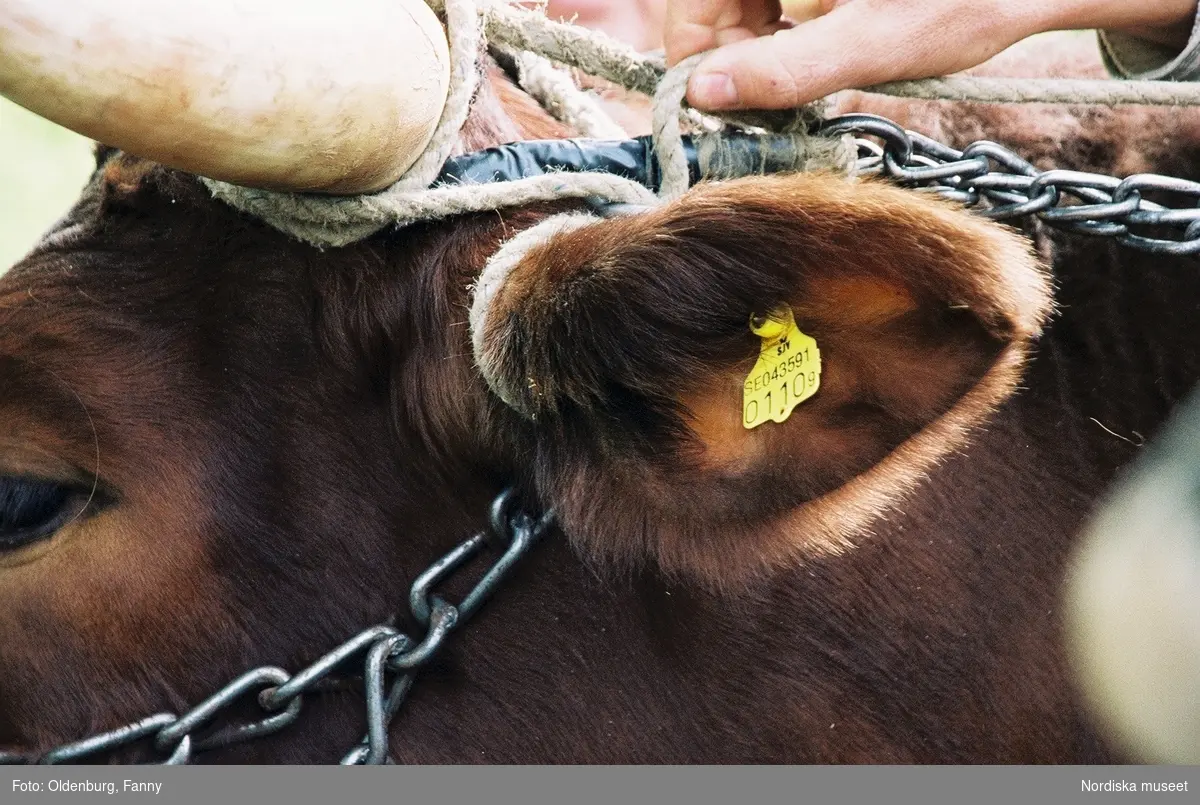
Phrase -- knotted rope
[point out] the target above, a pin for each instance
(535, 41)
(598, 55)
(337, 221)
(341, 220)
(490, 356)
(558, 95)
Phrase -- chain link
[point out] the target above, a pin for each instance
(390, 661)
(985, 176)
(999, 184)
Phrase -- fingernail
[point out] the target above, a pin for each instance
(713, 90)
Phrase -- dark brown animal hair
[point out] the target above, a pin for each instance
(631, 342)
(279, 440)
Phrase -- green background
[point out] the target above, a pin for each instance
(42, 169)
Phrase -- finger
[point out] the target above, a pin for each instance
(804, 10)
(855, 45)
(728, 36)
(693, 26)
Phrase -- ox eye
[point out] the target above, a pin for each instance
(32, 509)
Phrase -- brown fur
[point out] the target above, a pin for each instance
(614, 329)
(287, 437)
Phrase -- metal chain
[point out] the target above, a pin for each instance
(985, 176)
(390, 662)
(1001, 185)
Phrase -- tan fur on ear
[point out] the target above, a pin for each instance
(631, 340)
(123, 174)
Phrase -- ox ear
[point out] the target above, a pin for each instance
(126, 181)
(629, 342)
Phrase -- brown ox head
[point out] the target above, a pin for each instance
(220, 449)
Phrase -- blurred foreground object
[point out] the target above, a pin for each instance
(339, 97)
(1133, 601)
(638, 23)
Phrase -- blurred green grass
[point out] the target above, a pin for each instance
(42, 169)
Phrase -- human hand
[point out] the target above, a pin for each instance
(765, 62)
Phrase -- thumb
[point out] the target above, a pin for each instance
(855, 45)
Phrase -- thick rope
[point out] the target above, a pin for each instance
(591, 51)
(601, 56)
(490, 356)
(465, 37)
(557, 93)
(1099, 92)
(337, 221)
(341, 220)
(598, 55)
(668, 138)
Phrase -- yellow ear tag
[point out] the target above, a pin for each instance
(787, 373)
